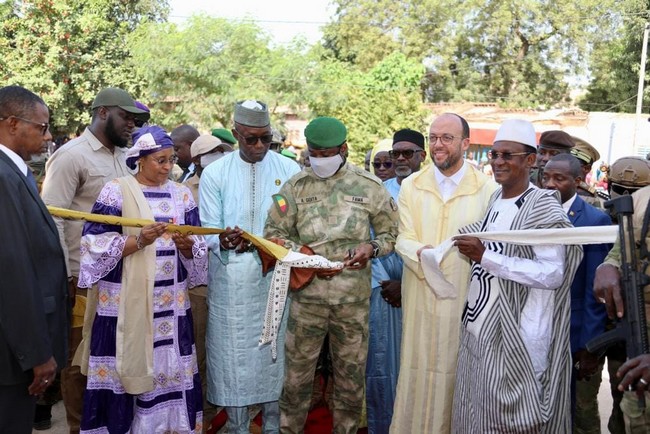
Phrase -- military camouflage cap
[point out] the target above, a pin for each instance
(325, 133)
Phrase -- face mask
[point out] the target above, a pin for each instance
(210, 158)
(326, 166)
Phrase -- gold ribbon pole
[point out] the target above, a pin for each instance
(272, 249)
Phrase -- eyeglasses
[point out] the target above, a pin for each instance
(386, 164)
(44, 126)
(445, 139)
(506, 156)
(162, 161)
(252, 140)
(406, 153)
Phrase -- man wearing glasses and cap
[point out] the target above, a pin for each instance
(382, 367)
(235, 193)
(74, 176)
(514, 368)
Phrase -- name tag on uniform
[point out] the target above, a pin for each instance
(310, 199)
(357, 199)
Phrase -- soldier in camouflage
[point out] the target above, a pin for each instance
(330, 207)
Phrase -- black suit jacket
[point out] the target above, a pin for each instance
(33, 280)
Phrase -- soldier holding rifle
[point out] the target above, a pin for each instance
(620, 283)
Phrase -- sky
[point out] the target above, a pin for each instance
(283, 19)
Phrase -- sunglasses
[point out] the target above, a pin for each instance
(252, 140)
(44, 126)
(386, 164)
(506, 156)
(407, 153)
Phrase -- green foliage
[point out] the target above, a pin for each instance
(616, 63)
(68, 50)
(514, 52)
(195, 73)
(373, 104)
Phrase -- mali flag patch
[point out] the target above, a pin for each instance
(281, 203)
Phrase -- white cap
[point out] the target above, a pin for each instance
(517, 130)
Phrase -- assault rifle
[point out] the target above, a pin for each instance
(630, 329)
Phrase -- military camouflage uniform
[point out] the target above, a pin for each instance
(330, 215)
(589, 195)
(637, 420)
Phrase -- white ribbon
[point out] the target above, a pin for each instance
(431, 259)
(279, 290)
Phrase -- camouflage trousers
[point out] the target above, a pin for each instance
(308, 324)
(586, 419)
(637, 420)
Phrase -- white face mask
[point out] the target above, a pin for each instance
(210, 158)
(326, 166)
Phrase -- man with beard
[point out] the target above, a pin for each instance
(433, 204)
(75, 175)
(385, 327)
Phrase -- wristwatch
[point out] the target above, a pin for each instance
(375, 248)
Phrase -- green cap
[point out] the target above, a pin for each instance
(115, 97)
(225, 135)
(288, 153)
(325, 133)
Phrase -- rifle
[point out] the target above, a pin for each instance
(630, 329)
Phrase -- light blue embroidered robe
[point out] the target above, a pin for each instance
(385, 337)
(235, 193)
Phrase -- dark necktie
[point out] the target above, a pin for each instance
(31, 180)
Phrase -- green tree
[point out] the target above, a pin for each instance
(373, 104)
(196, 72)
(616, 63)
(68, 50)
(514, 52)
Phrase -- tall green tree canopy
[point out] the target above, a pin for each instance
(616, 63)
(195, 72)
(373, 104)
(516, 52)
(68, 50)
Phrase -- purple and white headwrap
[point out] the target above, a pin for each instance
(147, 140)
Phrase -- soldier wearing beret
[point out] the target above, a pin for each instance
(330, 208)
(551, 143)
(587, 155)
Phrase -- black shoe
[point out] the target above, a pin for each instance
(42, 417)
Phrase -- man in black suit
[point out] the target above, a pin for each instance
(33, 279)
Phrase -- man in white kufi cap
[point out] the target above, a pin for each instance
(513, 362)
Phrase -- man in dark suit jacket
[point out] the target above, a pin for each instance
(588, 316)
(33, 279)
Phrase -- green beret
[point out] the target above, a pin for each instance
(225, 135)
(325, 133)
